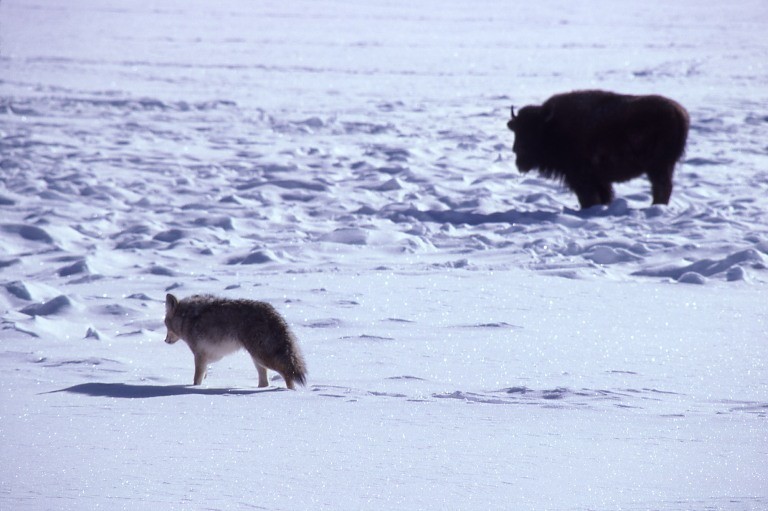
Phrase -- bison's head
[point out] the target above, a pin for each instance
(528, 127)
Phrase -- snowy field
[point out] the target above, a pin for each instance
(474, 341)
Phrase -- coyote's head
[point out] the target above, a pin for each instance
(172, 322)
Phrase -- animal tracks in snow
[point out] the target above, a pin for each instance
(642, 400)
(314, 184)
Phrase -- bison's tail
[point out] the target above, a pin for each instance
(681, 123)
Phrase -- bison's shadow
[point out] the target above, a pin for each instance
(470, 218)
(618, 207)
(124, 390)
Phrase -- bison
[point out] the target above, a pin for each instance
(592, 139)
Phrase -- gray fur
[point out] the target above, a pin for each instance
(214, 327)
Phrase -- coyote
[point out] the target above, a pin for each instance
(214, 327)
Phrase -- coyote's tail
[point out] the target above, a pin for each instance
(296, 368)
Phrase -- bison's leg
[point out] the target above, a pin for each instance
(661, 185)
(586, 191)
(605, 192)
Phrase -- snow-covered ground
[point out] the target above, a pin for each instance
(474, 340)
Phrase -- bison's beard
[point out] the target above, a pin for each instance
(524, 165)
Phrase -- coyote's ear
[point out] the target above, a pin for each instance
(170, 303)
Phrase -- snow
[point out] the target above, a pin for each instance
(474, 341)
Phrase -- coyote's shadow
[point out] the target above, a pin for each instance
(128, 391)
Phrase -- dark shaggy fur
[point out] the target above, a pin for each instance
(592, 139)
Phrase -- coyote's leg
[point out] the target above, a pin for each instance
(263, 382)
(201, 367)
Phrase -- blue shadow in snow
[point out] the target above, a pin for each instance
(124, 390)
(457, 217)
(567, 216)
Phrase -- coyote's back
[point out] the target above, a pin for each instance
(214, 327)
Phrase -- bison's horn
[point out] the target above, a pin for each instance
(513, 112)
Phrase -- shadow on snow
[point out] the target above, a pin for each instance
(566, 216)
(124, 390)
